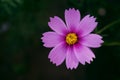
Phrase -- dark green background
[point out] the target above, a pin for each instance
(22, 55)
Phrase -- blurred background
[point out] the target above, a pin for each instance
(22, 55)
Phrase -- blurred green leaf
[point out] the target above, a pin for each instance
(19, 68)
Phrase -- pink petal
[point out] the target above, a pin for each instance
(92, 40)
(51, 39)
(87, 25)
(72, 18)
(71, 60)
(57, 55)
(83, 54)
(57, 25)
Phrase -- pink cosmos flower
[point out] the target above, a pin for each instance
(72, 41)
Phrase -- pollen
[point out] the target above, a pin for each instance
(71, 38)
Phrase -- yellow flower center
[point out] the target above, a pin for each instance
(71, 38)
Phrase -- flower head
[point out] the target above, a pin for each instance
(72, 41)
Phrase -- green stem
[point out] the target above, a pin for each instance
(112, 44)
(108, 26)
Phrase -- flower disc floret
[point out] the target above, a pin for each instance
(71, 38)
